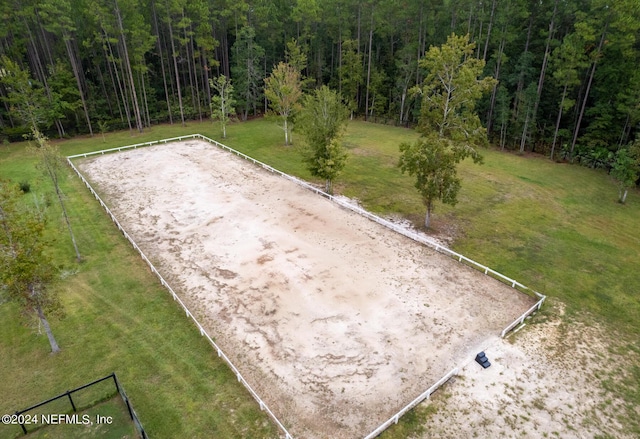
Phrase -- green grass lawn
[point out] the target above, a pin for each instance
(554, 227)
(106, 420)
(118, 319)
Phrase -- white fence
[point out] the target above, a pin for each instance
(425, 395)
(403, 231)
(263, 405)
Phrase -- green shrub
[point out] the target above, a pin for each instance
(25, 186)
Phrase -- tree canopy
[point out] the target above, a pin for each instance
(222, 101)
(321, 121)
(283, 89)
(449, 125)
(568, 82)
(26, 272)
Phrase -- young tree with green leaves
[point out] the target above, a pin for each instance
(26, 272)
(30, 103)
(283, 91)
(626, 169)
(296, 57)
(321, 122)
(51, 164)
(450, 91)
(25, 97)
(433, 162)
(449, 124)
(223, 103)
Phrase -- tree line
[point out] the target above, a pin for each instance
(567, 84)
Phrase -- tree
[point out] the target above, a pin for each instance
(247, 70)
(433, 162)
(567, 59)
(296, 57)
(58, 19)
(625, 169)
(283, 90)
(449, 125)
(611, 27)
(321, 121)
(31, 103)
(26, 272)
(450, 92)
(26, 97)
(222, 104)
(351, 74)
(51, 163)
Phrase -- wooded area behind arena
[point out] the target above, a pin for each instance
(568, 82)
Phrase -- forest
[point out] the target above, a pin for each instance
(567, 79)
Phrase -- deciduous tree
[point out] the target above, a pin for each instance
(322, 120)
(450, 127)
(223, 103)
(51, 164)
(625, 169)
(450, 92)
(283, 90)
(25, 97)
(26, 272)
(433, 162)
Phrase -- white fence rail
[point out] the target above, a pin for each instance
(203, 332)
(403, 231)
(424, 395)
(520, 319)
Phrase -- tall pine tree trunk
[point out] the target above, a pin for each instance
(586, 93)
(76, 72)
(175, 66)
(366, 105)
(160, 53)
(115, 79)
(37, 67)
(494, 92)
(521, 76)
(555, 133)
(129, 71)
(490, 27)
(543, 69)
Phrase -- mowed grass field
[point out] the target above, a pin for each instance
(556, 228)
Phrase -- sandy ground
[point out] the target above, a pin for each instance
(336, 321)
(545, 381)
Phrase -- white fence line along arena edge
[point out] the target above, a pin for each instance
(409, 234)
(263, 405)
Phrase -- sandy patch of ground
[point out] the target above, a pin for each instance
(336, 321)
(545, 382)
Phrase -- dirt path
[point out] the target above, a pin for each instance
(336, 321)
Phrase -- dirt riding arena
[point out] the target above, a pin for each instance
(335, 321)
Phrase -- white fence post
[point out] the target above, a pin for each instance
(164, 283)
(425, 241)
